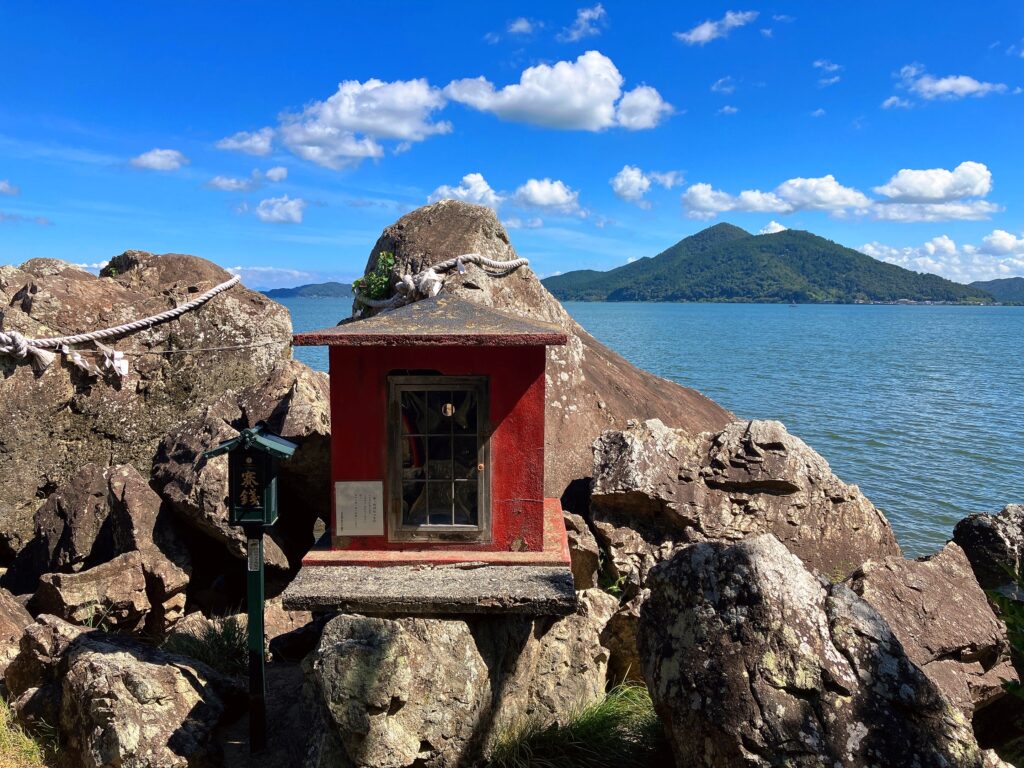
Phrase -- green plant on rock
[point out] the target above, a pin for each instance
(377, 284)
(19, 748)
(621, 730)
(222, 643)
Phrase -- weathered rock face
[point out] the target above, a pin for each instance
(590, 388)
(431, 692)
(57, 422)
(117, 701)
(941, 616)
(752, 661)
(111, 596)
(294, 402)
(583, 551)
(655, 488)
(13, 620)
(994, 544)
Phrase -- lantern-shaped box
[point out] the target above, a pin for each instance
(252, 474)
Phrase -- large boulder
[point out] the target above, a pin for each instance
(656, 488)
(994, 544)
(941, 616)
(402, 692)
(589, 388)
(13, 620)
(294, 402)
(752, 660)
(111, 596)
(57, 422)
(119, 702)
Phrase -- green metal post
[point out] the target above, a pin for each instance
(257, 678)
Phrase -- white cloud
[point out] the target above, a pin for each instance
(632, 184)
(710, 30)
(895, 102)
(232, 184)
(728, 109)
(1001, 254)
(819, 112)
(277, 173)
(824, 193)
(6, 188)
(960, 210)
(515, 222)
(952, 87)
(825, 82)
(281, 210)
(492, 38)
(969, 179)
(580, 95)
(553, 195)
(767, 32)
(160, 160)
(522, 26)
(473, 189)
(347, 127)
(252, 143)
(271, 277)
(588, 23)
(17, 218)
(771, 228)
(724, 85)
(827, 66)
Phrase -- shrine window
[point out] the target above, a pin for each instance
(439, 483)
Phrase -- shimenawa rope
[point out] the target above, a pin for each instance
(17, 345)
(429, 281)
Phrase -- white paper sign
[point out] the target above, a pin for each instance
(359, 508)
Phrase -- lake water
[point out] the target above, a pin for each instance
(921, 406)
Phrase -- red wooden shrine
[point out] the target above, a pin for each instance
(437, 438)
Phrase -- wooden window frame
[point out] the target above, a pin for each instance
(399, 532)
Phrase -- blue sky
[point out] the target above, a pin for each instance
(283, 139)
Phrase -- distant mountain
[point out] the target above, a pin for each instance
(726, 263)
(312, 291)
(1008, 290)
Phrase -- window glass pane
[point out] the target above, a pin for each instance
(438, 409)
(466, 501)
(464, 418)
(465, 457)
(440, 503)
(414, 412)
(440, 452)
(414, 457)
(414, 503)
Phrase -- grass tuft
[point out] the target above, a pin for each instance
(222, 643)
(17, 747)
(621, 730)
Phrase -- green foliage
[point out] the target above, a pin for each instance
(621, 730)
(610, 583)
(1011, 611)
(726, 263)
(1008, 290)
(18, 748)
(377, 284)
(222, 643)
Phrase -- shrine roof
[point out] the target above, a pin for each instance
(439, 321)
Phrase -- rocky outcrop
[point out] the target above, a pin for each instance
(13, 620)
(111, 596)
(294, 402)
(431, 692)
(59, 421)
(994, 544)
(751, 660)
(116, 701)
(940, 615)
(656, 488)
(584, 553)
(589, 388)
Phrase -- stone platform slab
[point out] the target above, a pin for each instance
(426, 590)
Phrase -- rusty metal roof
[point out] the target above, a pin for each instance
(439, 321)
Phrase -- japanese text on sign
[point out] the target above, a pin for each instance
(359, 508)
